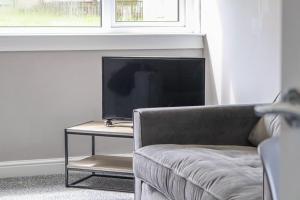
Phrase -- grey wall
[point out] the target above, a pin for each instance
(290, 44)
(242, 48)
(290, 138)
(41, 93)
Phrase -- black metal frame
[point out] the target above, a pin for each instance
(94, 173)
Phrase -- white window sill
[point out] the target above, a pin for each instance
(93, 39)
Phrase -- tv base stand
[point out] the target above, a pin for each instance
(115, 166)
(108, 123)
(111, 123)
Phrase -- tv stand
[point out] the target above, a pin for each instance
(101, 165)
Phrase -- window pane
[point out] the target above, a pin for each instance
(50, 13)
(147, 10)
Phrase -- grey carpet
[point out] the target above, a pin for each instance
(51, 187)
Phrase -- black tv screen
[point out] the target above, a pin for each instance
(143, 82)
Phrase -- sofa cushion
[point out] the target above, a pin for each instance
(268, 126)
(201, 172)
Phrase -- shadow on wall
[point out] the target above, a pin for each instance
(213, 50)
(211, 90)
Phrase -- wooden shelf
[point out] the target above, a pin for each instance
(105, 163)
(99, 128)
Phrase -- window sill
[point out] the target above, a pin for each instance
(95, 40)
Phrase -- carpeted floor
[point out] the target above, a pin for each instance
(52, 187)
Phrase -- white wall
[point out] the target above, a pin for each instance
(41, 93)
(243, 49)
(290, 139)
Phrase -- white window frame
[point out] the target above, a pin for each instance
(107, 37)
(189, 23)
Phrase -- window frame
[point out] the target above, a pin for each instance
(189, 24)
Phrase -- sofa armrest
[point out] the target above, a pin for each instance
(207, 125)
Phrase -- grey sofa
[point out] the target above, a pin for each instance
(196, 153)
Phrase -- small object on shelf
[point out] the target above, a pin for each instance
(114, 166)
(108, 123)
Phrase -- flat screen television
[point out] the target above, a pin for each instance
(145, 82)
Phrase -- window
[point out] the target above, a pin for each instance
(148, 12)
(50, 13)
(107, 14)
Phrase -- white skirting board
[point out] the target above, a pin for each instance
(34, 167)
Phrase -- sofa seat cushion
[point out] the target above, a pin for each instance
(201, 172)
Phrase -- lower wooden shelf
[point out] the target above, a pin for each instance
(104, 163)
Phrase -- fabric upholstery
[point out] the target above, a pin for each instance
(137, 189)
(213, 125)
(268, 126)
(201, 172)
(259, 133)
(149, 193)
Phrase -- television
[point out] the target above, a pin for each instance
(129, 83)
